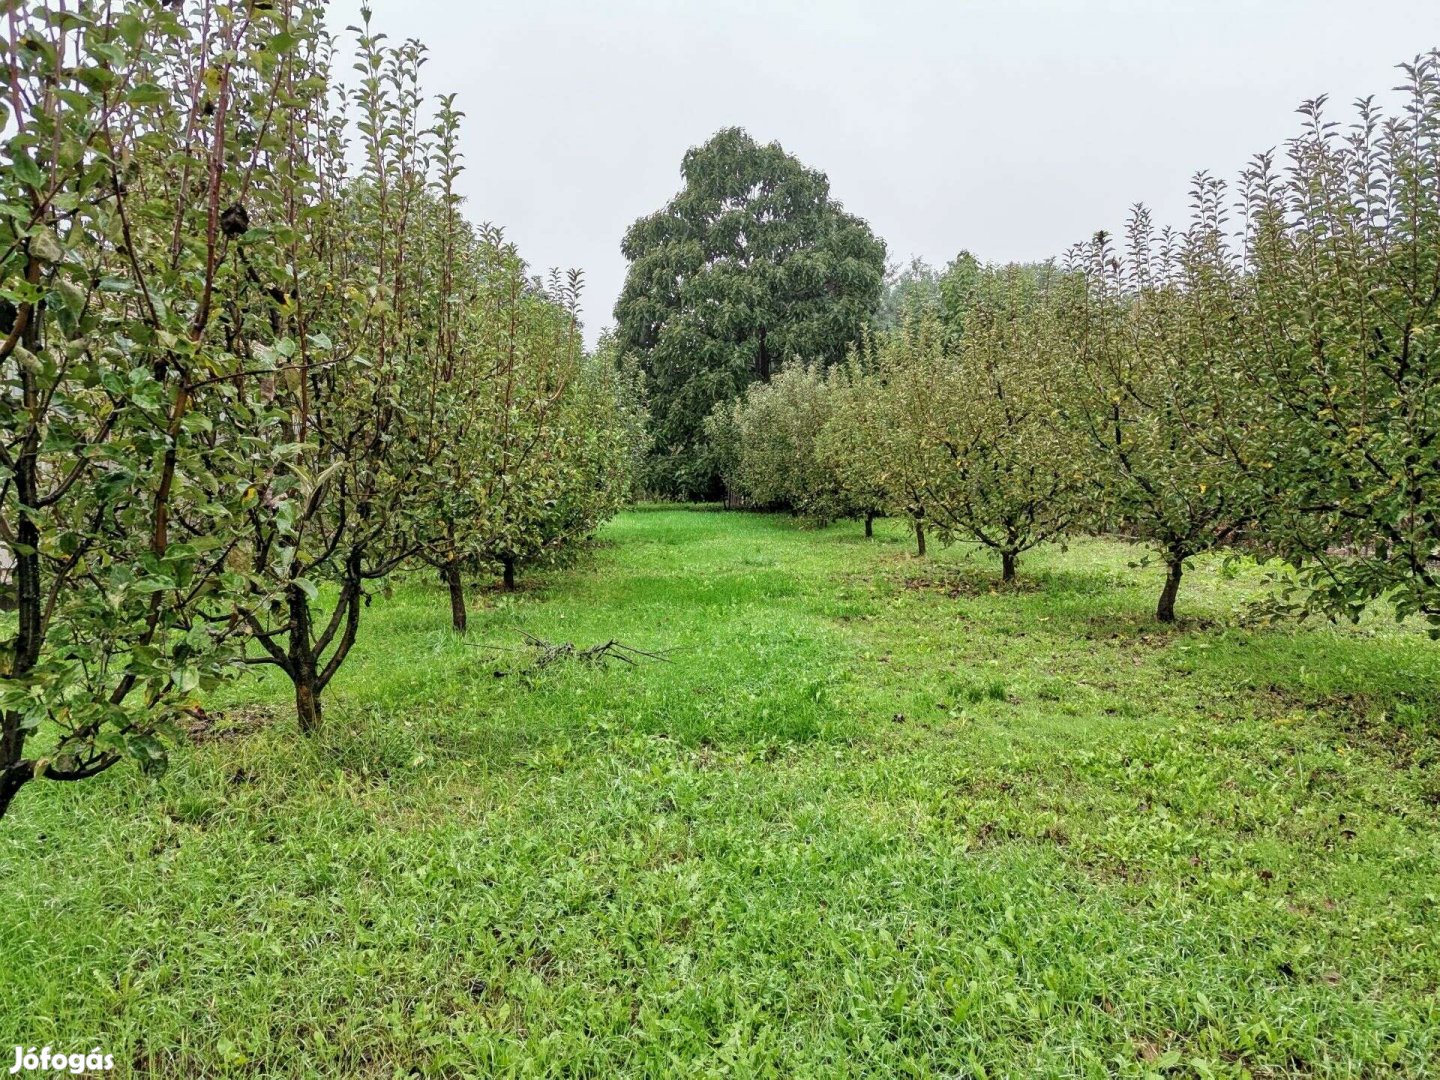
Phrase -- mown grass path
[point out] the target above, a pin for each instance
(877, 817)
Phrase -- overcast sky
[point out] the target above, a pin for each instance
(1012, 128)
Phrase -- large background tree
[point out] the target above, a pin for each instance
(751, 265)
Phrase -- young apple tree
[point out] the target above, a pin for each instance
(1343, 344)
(349, 266)
(133, 414)
(1156, 398)
(852, 429)
(1009, 472)
(778, 459)
(909, 372)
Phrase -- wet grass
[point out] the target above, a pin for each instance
(878, 816)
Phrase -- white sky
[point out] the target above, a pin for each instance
(1012, 129)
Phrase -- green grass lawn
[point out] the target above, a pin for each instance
(877, 817)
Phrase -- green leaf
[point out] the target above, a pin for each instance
(25, 169)
(45, 246)
(147, 94)
(130, 29)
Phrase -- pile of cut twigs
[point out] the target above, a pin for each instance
(546, 653)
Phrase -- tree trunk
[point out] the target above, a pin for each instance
(456, 585)
(1165, 610)
(1007, 566)
(13, 776)
(762, 361)
(302, 667)
(509, 579)
(29, 597)
(307, 701)
(919, 535)
(869, 524)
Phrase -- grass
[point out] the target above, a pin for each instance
(878, 817)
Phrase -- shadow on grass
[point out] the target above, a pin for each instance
(978, 579)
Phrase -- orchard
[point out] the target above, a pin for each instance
(1000, 660)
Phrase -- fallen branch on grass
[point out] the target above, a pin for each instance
(548, 652)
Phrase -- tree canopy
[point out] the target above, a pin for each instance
(751, 265)
(254, 363)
